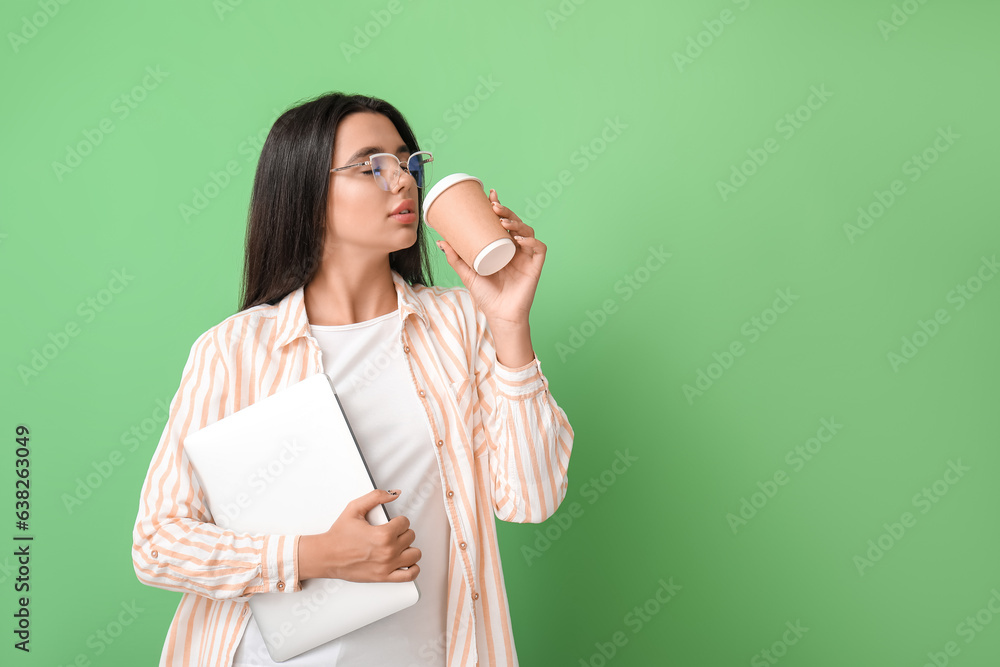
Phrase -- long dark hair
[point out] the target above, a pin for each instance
(286, 224)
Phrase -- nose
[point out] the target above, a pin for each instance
(403, 178)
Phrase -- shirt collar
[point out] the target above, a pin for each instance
(294, 323)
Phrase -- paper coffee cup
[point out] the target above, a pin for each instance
(461, 212)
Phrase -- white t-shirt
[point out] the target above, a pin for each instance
(367, 365)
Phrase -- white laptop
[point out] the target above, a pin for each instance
(288, 465)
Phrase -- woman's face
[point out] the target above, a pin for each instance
(358, 211)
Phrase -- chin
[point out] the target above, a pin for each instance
(412, 242)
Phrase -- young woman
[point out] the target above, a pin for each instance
(442, 387)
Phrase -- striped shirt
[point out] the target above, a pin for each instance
(502, 444)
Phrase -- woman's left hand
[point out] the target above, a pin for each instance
(505, 297)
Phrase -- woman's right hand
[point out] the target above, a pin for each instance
(354, 550)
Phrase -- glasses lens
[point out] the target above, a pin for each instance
(420, 168)
(385, 169)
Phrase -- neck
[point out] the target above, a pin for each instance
(350, 290)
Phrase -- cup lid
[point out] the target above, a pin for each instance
(494, 257)
(443, 185)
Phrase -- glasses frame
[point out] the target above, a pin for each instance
(400, 168)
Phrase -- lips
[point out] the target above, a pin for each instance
(405, 205)
(405, 218)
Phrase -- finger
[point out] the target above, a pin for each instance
(399, 576)
(361, 505)
(531, 245)
(406, 539)
(397, 526)
(500, 209)
(410, 556)
(406, 559)
(517, 227)
(504, 212)
(464, 271)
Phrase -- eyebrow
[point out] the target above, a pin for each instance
(371, 150)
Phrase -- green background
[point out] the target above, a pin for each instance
(620, 371)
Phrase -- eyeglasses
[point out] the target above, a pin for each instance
(386, 168)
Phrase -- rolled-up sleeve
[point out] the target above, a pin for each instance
(528, 435)
(176, 546)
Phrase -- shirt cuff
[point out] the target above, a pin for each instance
(277, 570)
(522, 382)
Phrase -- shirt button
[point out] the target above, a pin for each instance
(406, 348)
(244, 612)
(450, 493)
(461, 545)
(281, 585)
(440, 444)
(475, 596)
(154, 554)
(421, 392)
